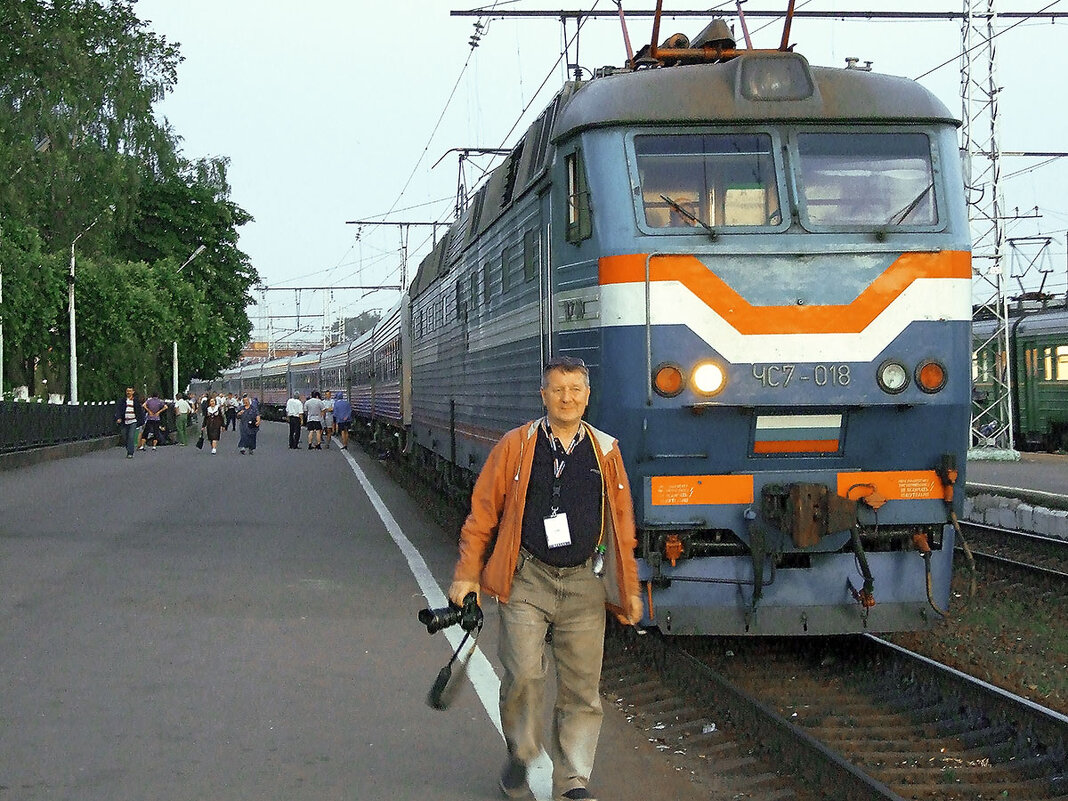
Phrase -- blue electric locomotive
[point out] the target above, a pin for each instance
(766, 267)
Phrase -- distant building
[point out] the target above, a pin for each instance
(257, 350)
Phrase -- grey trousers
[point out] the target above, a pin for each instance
(572, 600)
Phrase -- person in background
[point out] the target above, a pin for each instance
(295, 416)
(130, 415)
(182, 410)
(249, 417)
(213, 422)
(154, 407)
(551, 535)
(313, 419)
(328, 418)
(342, 418)
(231, 406)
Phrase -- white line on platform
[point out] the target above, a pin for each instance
(481, 673)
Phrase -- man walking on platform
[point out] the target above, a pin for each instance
(130, 414)
(313, 419)
(551, 535)
(294, 413)
(182, 409)
(342, 418)
(231, 405)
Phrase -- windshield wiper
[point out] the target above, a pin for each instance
(901, 216)
(689, 216)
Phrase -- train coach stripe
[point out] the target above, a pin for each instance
(748, 319)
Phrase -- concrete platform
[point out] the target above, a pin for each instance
(188, 626)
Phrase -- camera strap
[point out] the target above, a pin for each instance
(444, 683)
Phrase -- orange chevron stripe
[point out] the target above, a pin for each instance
(749, 319)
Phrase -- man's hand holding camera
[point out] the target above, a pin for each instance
(459, 589)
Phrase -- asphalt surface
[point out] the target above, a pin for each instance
(1045, 472)
(189, 626)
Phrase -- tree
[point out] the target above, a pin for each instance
(78, 80)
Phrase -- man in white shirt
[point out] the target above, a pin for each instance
(182, 408)
(294, 413)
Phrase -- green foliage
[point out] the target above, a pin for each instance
(78, 136)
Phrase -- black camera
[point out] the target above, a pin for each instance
(469, 616)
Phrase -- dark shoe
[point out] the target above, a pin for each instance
(514, 780)
(578, 794)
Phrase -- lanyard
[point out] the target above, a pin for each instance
(560, 454)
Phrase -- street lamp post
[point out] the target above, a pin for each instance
(70, 309)
(174, 355)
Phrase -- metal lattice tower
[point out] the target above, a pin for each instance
(992, 415)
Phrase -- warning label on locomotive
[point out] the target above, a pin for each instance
(895, 485)
(690, 490)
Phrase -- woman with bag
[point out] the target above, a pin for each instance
(248, 415)
(213, 422)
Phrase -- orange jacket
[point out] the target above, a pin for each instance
(496, 519)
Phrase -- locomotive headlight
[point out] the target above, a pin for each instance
(892, 377)
(709, 378)
(668, 380)
(775, 77)
(930, 376)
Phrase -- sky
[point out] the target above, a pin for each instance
(339, 110)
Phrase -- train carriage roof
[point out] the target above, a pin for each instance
(704, 93)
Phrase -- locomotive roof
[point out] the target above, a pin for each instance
(703, 93)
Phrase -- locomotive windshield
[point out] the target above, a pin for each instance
(873, 179)
(707, 180)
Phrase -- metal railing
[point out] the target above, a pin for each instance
(25, 425)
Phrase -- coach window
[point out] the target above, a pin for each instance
(579, 224)
(711, 181)
(870, 180)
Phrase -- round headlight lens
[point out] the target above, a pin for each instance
(709, 378)
(668, 380)
(930, 376)
(892, 377)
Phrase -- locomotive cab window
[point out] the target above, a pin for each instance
(707, 180)
(870, 180)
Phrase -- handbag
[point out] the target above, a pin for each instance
(200, 442)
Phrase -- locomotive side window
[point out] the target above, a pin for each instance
(710, 180)
(868, 179)
(579, 225)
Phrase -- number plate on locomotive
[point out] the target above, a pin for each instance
(780, 376)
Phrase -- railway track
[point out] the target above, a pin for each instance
(1020, 555)
(840, 718)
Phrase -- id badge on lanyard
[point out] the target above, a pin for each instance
(557, 533)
